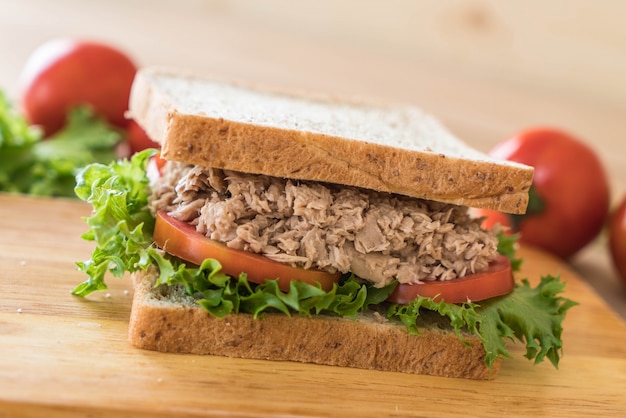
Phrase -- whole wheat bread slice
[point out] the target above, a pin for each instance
(389, 149)
(166, 319)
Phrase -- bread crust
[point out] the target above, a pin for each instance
(163, 321)
(213, 141)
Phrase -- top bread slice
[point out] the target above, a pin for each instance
(384, 148)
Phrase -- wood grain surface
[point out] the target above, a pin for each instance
(63, 356)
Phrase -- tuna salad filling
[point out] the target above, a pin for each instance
(379, 237)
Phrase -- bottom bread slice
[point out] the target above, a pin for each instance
(166, 319)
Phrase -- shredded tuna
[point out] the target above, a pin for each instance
(378, 237)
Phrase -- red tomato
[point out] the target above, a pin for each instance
(617, 239)
(496, 281)
(182, 240)
(137, 138)
(155, 168)
(159, 162)
(569, 199)
(64, 73)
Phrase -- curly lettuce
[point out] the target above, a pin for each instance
(121, 226)
(530, 315)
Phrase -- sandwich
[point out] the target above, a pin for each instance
(302, 228)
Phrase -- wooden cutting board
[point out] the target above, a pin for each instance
(63, 356)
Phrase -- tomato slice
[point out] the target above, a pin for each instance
(182, 240)
(496, 281)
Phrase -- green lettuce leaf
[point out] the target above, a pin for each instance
(530, 315)
(17, 139)
(31, 165)
(121, 226)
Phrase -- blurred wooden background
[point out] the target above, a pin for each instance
(487, 68)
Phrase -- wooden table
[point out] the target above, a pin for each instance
(63, 356)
